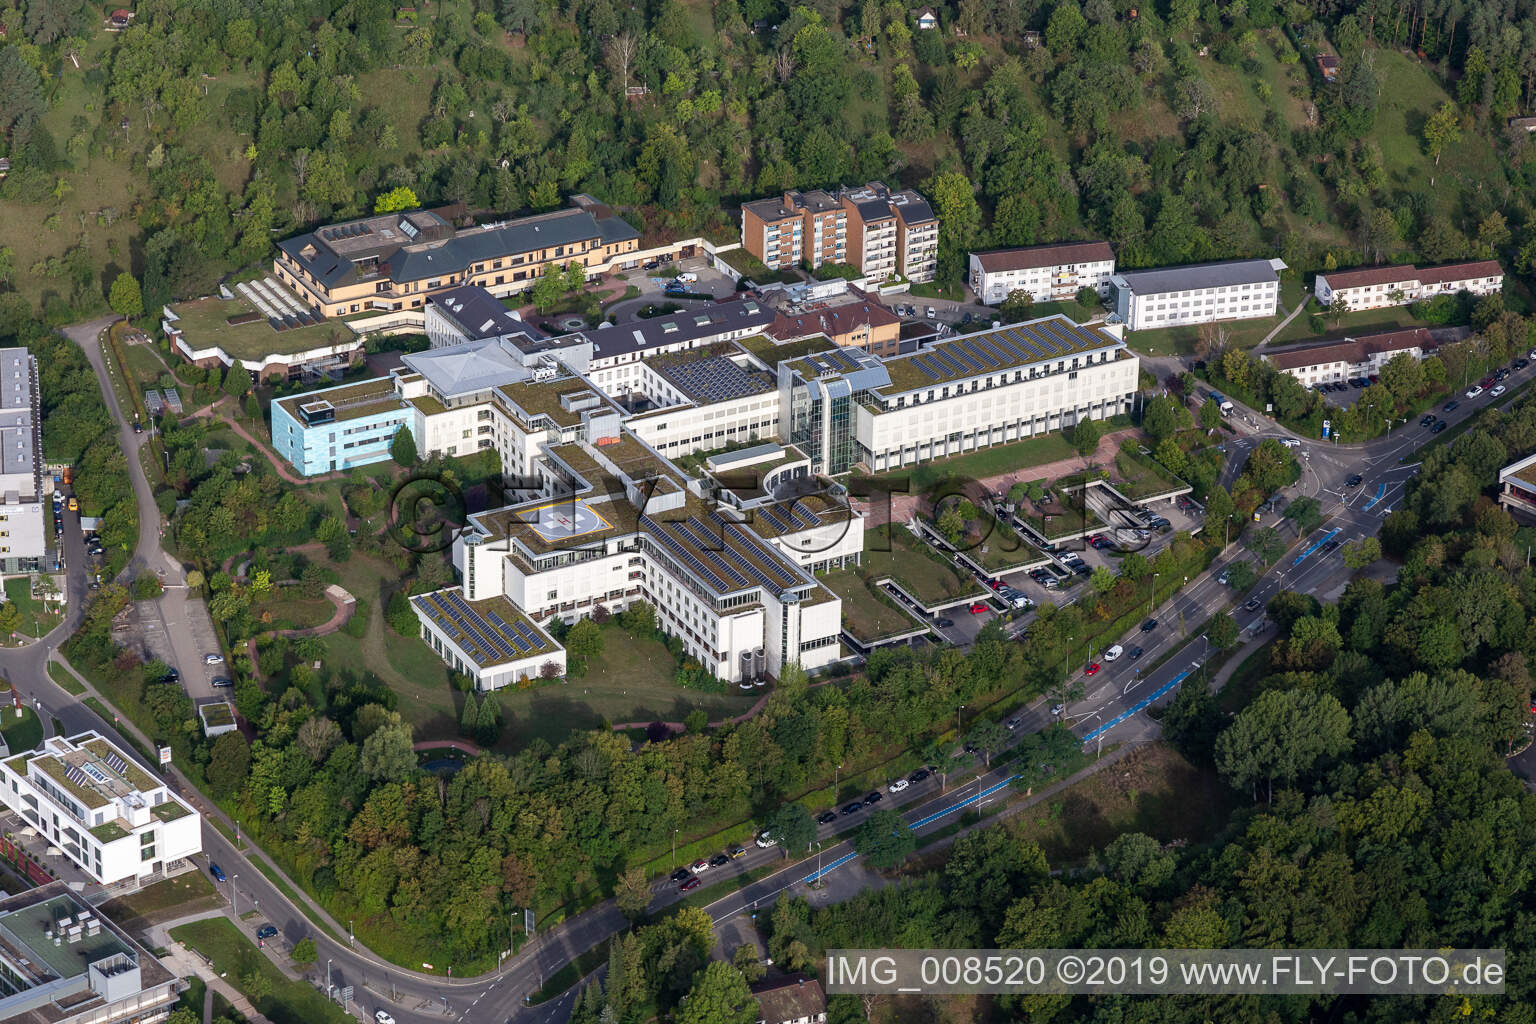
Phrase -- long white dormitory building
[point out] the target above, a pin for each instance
(1197, 294)
(587, 426)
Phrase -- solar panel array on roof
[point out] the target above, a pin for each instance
(117, 764)
(803, 516)
(774, 518)
(489, 638)
(671, 544)
(715, 380)
(782, 577)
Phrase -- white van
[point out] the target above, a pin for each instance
(688, 277)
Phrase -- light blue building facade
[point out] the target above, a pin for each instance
(341, 428)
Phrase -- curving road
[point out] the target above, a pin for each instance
(1115, 706)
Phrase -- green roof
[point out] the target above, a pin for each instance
(110, 832)
(350, 401)
(170, 811)
(206, 325)
(56, 770)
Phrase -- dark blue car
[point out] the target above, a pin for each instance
(217, 872)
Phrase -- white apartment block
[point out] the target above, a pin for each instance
(23, 520)
(845, 407)
(1379, 287)
(1352, 357)
(1044, 272)
(1200, 293)
(113, 819)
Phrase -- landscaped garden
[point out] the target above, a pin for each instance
(868, 612)
(892, 551)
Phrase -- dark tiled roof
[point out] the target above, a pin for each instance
(689, 325)
(1366, 277)
(1460, 271)
(789, 998)
(832, 321)
(1044, 256)
(1198, 275)
(1353, 350)
(481, 315)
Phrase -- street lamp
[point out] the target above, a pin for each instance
(1152, 593)
(234, 896)
(957, 720)
(674, 849)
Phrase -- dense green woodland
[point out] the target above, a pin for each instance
(1382, 813)
(238, 121)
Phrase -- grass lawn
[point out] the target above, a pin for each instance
(236, 958)
(35, 619)
(65, 678)
(23, 733)
(773, 354)
(283, 608)
(204, 321)
(1351, 325)
(978, 465)
(1137, 476)
(935, 290)
(187, 893)
(919, 569)
(631, 681)
(1069, 308)
(868, 613)
(1000, 548)
(1242, 686)
(1153, 790)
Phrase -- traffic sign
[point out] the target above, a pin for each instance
(346, 995)
(1326, 426)
(528, 922)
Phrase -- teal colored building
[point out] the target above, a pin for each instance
(339, 428)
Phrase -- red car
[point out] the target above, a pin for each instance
(1092, 669)
(690, 885)
(978, 607)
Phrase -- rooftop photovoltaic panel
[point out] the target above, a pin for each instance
(1047, 340)
(488, 638)
(922, 365)
(941, 357)
(958, 353)
(805, 518)
(655, 529)
(777, 521)
(707, 547)
(1000, 356)
(1022, 343)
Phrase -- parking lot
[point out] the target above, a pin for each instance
(180, 642)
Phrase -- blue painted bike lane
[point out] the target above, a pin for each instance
(1139, 706)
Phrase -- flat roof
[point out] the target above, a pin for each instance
(794, 515)
(1199, 275)
(349, 401)
(995, 350)
(492, 632)
(1523, 470)
(710, 378)
(26, 927)
(563, 399)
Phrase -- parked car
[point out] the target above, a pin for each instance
(978, 607)
(1522, 363)
(919, 775)
(898, 786)
(765, 840)
(826, 817)
(681, 875)
(1057, 709)
(382, 1017)
(931, 313)
(1474, 391)
(853, 808)
(691, 884)
(700, 865)
(138, 428)
(266, 931)
(1149, 625)
(1013, 723)
(737, 852)
(223, 682)
(1092, 669)
(1498, 390)
(213, 659)
(945, 623)
(719, 860)
(1427, 420)
(217, 872)
(873, 798)
(1113, 654)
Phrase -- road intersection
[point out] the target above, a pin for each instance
(1115, 710)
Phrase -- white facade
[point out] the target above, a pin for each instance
(1198, 294)
(1352, 357)
(23, 523)
(111, 818)
(1045, 273)
(927, 426)
(1380, 287)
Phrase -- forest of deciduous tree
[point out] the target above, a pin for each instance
(1178, 132)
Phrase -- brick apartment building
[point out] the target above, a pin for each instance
(882, 233)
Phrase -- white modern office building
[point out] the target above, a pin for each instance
(1201, 293)
(1043, 272)
(970, 391)
(1398, 285)
(23, 519)
(111, 818)
(63, 962)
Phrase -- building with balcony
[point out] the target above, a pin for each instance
(23, 519)
(1046, 273)
(63, 962)
(395, 261)
(1398, 285)
(1517, 489)
(111, 818)
(1200, 293)
(1352, 357)
(850, 320)
(797, 227)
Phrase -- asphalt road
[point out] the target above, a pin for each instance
(1114, 707)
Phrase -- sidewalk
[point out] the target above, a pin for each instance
(184, 963)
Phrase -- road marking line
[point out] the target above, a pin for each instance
(1139, 705)
(1325, 538)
